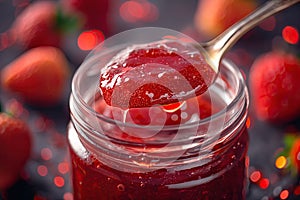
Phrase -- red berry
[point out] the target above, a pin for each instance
(15, 149)
(94, 12)
(36, 25)
(161, 73)
(38, 76)
(212, 17)
(43, 23)
(274, 83)
(295, 154)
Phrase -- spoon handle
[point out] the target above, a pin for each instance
(218, 46)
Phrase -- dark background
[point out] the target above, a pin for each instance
(49, 124)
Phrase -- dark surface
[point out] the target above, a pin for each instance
(49, 124)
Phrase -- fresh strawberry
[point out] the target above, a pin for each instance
(214, 16)
(274, 84)
(94, 12)
(42, 23)
(162, 72)
(15, 149)
(39, 75)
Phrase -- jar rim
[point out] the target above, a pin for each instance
(241, 91)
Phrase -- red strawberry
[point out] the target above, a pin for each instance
(214, 16)
(41, 24)
(295, 154)
(15, 148)
(94, 12)
(274, 83)
(162, 72)
(39, 75)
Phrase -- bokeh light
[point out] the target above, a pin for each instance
(88, 40)
(248, 122)
(135, 11)
(46, 154)
(264, 183)
(59, 181)
(290, 34)
(68, 196)
(63, 167)
(284, 194)
(42, 170)
(255, 176)
(281, 162)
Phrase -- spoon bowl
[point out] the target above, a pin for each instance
(150, 66)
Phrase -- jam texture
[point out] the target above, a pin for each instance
(222, 178)
(161, 73)
(220, 174)
(156, 130)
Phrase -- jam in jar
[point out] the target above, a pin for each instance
(191, 149)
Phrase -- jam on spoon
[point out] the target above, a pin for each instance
(169, 71)
(162, 72)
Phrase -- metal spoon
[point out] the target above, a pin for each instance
(216, 48)
(180, 89)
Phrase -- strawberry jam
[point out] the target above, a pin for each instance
(222, 178)
(160, 72)
(190, 148)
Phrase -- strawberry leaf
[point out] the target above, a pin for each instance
(67, 22)
(289, 140)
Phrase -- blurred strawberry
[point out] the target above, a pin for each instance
(94, 12)
(38, 76)
(274, 84)
(42, 23)
(291, 152)
(214, 16)
(15, 149)
(295, 154)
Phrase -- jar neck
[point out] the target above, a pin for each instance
(117, 142)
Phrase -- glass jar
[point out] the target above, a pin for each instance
(195, 149)
(202, 159)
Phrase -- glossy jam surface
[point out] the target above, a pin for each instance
(156, 130)
(223, 177)
(161, 72)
